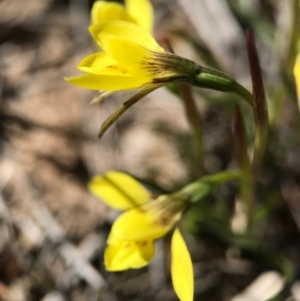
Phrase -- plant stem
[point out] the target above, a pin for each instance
(204, 185)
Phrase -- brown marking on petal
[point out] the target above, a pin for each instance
(127, 245)
(119, 68)
(143, 244)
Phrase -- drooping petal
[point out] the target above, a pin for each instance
(103, 11)
(100, 96)
(119, 190)
(124, 30)
(123, 255)
(113, 117)
(135, 225)
(102, 64)
(181, 268)
(141, 11)
(107, 82)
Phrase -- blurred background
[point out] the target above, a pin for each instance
(53, 231)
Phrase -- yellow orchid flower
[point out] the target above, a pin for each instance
(131, 240)
(297, 76)
(139, 12)
(132, 59)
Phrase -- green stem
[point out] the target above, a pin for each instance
(204, 185)
(216, 80)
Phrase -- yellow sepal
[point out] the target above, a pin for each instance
(108, 82)
(181, 268)
(103, 11)
(297, 76)
(141, 11)
(124, 30)
(119, 190)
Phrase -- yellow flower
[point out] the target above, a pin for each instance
(139, 12)
(297, 76)
(131, 59)
(131, 240)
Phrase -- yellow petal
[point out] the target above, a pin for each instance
(108, 82)
(103, 11)
(124, 30)
(141, 11)
(181, 268)
(136, 224)
(297, 76)
(102, 64)
(124, 255)
(119, 190)
(99, 59)
(131, 56)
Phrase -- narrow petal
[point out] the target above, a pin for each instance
(125, 106)
(141, 11)
(102, 64)
(181, 268)
(136, 224)
(103, 11)
(124, 30)
(107, 82)
(100, 96)
(297, 76)
(125, 255)
(119, 190)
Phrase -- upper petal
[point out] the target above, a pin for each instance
(124, 30)
(141, 11)
(181, 268)
(119, 190)
(103, 11)
(123, 255)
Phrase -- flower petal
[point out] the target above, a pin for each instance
(102, 64)
(297, 76)
(119, 190)
(130, 55)
(124, 30)
(103, 11)
(124, 255)
(141, 11)
(99, 59)
(107, 82)
(136, 224)
(181, 268)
